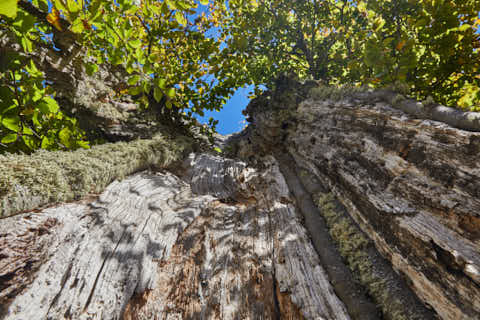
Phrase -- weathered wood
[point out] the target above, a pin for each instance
(411, 185)
(343, 208)
(150, 248)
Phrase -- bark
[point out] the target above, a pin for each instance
(94, 100)
(410, 185)
(334, 204)
(150, 248)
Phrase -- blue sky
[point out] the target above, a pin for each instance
(230, 118)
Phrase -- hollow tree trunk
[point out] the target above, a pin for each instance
(343, 207)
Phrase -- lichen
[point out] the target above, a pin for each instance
(29, 181)
(353, 246)
(398, 99)
(399, 87)
(323, 92)
(429, 102)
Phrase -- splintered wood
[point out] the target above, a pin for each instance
(150, 248)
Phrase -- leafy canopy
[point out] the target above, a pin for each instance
(163, 47)
(430, 47)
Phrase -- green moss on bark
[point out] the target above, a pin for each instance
(30, 181)
(323, 92)
(353, 246)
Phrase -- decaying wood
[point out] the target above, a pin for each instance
(150, 248)
(411, 185)
(343, 207)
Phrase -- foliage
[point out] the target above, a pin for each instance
(432, 46)
(166, 52)
(429, 46)
(30, 117)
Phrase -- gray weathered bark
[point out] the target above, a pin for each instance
(343, 207)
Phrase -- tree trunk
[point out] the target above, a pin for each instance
(338, 206)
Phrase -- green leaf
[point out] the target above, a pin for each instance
(24, 21)
(29, 142)
(204, 2)
(35, 119)
(170, 93)
(180, 18)
(41, 4)
(48, 105)
(6, 98)
(164, 8)
(27, 45)
(135, 43)
(135, 90)
(9, 138)
(9, 8)
(217, 149)
(73, 6)
(46, 142)
(27, 131)
(146, 86)
(140, 55)
(160, 83)
(171, 4)
(77, 26)
(157, 94)
(64, 136)
(33, 70)
(12, 123)
(133, 80)
(464, 27)
(91, 68)
(83, 144)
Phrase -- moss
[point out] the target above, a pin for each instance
(323, 92)
(429, 102)
(29, 181)
(399, 87)
(398, 99)
(353, 246)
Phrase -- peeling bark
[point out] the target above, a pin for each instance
(340, 209)
(411, 185)
(150, 248)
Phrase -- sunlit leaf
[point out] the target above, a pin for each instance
(170, 93)
(8, 8)
(464, 27)
(54, 19)
(157, 94)
(133, 80)
(48, 105)
(9, 138)
(24, 21)
(180, 18)
(91, 68)
(11, 122)
(65, 135)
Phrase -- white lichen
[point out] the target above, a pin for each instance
(29, 181)
(335, 93)
(353, 246)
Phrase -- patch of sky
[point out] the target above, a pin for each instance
(230, 117)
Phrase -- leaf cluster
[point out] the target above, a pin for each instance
(171, 62)
(30, 117)
(429, 46)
